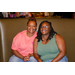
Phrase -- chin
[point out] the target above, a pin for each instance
(43, 33)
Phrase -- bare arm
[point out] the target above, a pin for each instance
(35, 50)
(15, 52)
(24, 58)
(61, 46)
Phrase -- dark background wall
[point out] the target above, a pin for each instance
(63, 14)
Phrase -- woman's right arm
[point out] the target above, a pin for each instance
(16, 53)
(15, 45)
(35, 50)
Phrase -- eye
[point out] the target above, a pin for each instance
(34, 26)
(31, 26)
(28, 26)
(42, 26)
(46, 26)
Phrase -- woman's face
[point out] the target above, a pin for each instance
(31, 27)
(45, 28)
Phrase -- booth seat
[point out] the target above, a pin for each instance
(10, 27)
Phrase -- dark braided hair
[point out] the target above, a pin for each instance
(51, 33)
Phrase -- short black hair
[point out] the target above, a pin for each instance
(51, 33)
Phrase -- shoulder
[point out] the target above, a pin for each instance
(35, 33)
(20, 34)
(35, 40)
(60, 41)
(17, 37)
(59, 37)
(24, 31)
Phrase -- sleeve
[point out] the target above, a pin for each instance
(16, 42)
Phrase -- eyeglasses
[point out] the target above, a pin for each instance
(45, 26)
(31, 26)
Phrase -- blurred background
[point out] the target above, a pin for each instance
(70, 15)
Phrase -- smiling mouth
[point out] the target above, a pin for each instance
(44, 31)
(31, 30)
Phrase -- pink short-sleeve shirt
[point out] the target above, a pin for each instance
(23, 44)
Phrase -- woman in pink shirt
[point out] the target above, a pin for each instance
(22, 45)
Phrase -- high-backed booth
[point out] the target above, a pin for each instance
(10, 27)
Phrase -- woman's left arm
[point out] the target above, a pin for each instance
(61, 46)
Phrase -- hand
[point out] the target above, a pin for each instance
(25, 58)
(30, 54)
(39, 60)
